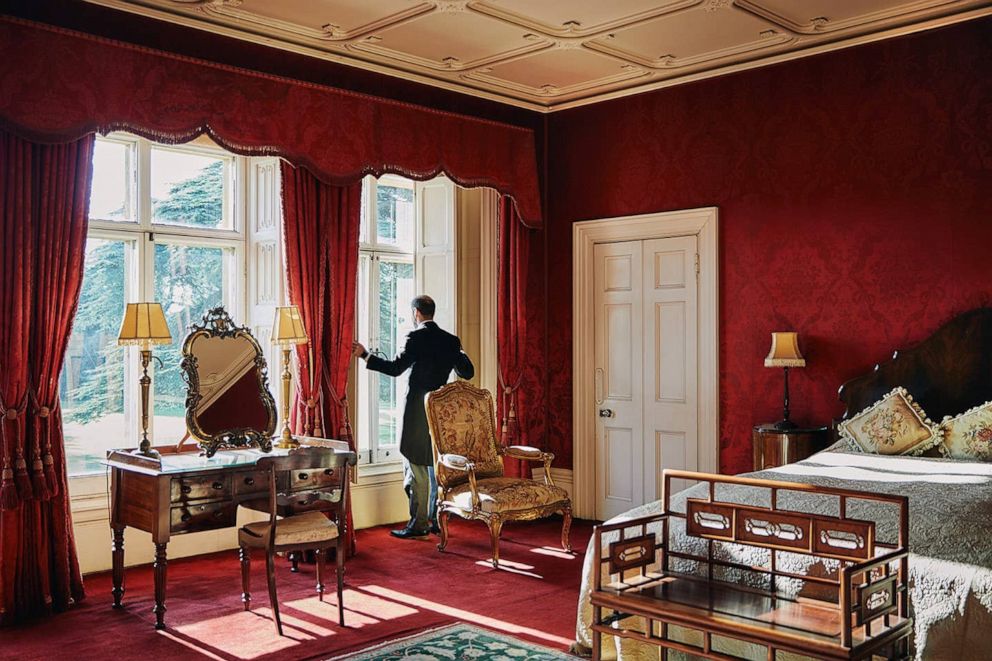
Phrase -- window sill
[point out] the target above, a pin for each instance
(380, 473)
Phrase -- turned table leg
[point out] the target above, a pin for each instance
(118, 564)
(160, 567)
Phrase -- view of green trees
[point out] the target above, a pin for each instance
(395, 285)
(188, 281)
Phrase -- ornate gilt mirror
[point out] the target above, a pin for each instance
(228, 404)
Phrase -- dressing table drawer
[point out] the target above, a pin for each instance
(311, 479)
(255, 482)
(205, 516)
(206, 487)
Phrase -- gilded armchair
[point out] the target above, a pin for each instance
(468, 463)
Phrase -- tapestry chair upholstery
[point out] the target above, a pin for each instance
(468, 462)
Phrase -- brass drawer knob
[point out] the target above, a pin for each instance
(329, 471)
(250, 481)
(186, 489)
(218, 485)
(303, 476)
(186, 517)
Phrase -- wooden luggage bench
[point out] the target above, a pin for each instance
(857, 611)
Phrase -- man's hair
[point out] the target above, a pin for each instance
(424, 305)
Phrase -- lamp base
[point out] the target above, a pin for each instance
(151, 453)
(286, 441)
(785, 425)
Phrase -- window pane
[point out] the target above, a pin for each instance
(93, 385)
(364, 270)
(396, 290)
(189, 280)
(188, 189)
(394, 216)
(110, 193)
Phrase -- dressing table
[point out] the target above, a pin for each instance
(181, 490)
(185, 492)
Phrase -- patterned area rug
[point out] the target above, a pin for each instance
(457, 642)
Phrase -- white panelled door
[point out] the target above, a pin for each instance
(646, 390)
(619, 421)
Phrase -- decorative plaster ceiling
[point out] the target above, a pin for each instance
(553, 54)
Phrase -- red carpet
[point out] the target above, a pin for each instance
(393, 587)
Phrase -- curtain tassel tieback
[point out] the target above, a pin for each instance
(510, 432)
(311, 417)
(344, 431)
(43, 468)
(22, 480)
(10, 479)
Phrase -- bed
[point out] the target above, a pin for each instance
(950, 500)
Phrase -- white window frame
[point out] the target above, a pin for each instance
(370, 452)
(140, 285)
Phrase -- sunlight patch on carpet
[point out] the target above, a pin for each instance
(248, 634)
(490, 622)
(456, 642)
(360, 609)
(554, 552)
(510, 566)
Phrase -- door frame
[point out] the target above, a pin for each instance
(703, 223)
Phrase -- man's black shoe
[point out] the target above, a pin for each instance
(435, 529)
(409, 533)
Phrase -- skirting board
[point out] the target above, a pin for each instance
(561, 476)
(376, 500)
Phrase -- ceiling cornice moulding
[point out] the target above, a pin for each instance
(557, 54)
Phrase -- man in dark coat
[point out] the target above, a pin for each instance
(432, 353)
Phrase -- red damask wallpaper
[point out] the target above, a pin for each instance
(855, 198)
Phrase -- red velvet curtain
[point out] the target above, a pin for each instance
(321, 224)
(519, 335)
(44, 199)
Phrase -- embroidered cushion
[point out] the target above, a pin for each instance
(506, 494)
(969, 435)
(893, 425)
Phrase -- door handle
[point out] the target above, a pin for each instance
(606, 413)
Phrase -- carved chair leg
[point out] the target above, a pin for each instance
(442, 520)
(339, 560)
(566, 526)
(270, 573)
(321, 567)
(245, 555)
(294, 559)
(495, 526)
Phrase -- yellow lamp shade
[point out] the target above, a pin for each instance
(785, 351)
(288, 327)
(144, 325)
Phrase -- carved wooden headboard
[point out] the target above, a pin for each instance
(947, 373)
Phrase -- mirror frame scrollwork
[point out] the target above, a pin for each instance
(218, 323)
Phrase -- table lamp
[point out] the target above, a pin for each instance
(785, 354)
(287, 331)
(144, 325)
